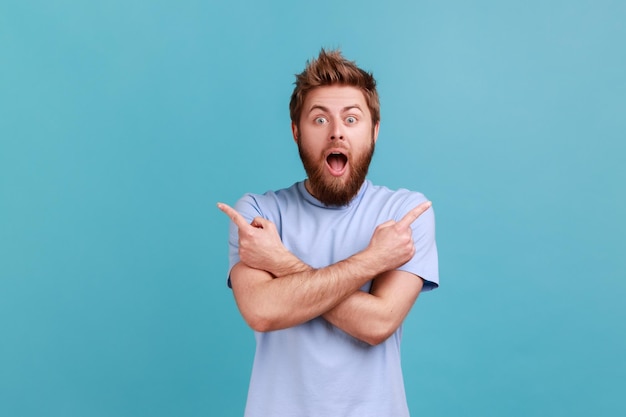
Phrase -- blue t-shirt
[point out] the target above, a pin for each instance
(316, 369)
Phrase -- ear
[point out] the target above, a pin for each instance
(294, 132)
(376, 127)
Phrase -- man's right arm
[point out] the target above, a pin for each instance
(305, 293)
(272, 304)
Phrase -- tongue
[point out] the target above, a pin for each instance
(336, 162)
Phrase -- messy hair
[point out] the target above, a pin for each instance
(331, 68)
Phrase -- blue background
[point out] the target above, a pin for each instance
(122, 123)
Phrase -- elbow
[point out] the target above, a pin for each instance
(260, 325)
(377, 338)
(259, 316)
(375, 341)
(262, 322)
(378, 334)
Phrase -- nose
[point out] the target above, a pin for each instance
(336, 132)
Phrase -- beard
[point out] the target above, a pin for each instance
(330, 190)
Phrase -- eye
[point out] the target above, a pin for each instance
(320, 120)
(351, 120)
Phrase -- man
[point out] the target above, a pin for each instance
(326, 270)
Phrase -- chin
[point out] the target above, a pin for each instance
(331, 190)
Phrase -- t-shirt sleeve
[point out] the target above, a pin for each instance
(425, 262)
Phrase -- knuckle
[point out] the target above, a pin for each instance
(248, 233)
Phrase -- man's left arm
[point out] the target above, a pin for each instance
(373, 317)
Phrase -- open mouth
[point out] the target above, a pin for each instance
(337, 163)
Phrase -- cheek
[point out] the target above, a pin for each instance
(310, 148)
(365, 138)
(316, 151)
(311, 142)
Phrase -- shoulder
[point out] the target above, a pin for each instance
(269, 204)
(397, 202)
(374, 190)
(425, 262)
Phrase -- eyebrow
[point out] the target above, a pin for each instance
(327, 110)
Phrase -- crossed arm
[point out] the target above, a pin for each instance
(302, 293)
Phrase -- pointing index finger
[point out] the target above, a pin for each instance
(414, 213)
(234, 216)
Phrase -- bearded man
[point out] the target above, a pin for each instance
(325, 271)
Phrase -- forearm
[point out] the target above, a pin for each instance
(287, 264)
(360, 314)
(303, 294)
(373, 317)
(363, 316)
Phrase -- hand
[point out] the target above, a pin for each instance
(392, 243)
(260, 246)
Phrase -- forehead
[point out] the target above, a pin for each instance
(335, 97)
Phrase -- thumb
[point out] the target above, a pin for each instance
(386, 224)
(260, 223)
